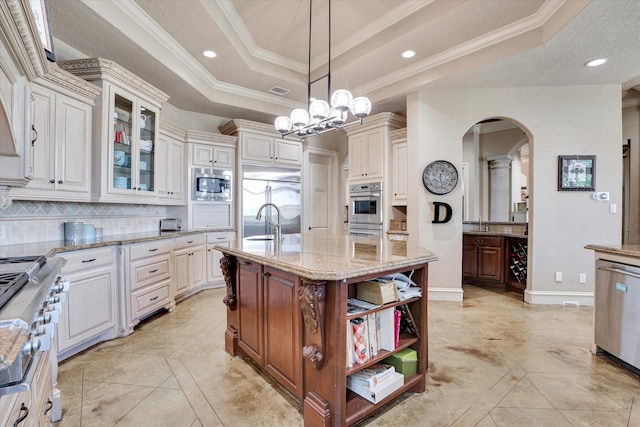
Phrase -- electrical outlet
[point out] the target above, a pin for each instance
(583, 278)
(558, 276)
(613, 208)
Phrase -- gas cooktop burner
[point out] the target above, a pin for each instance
(40, 259)
(10, 284)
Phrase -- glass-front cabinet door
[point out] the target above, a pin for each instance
(122, 140)
(147, 149)
(134, 144)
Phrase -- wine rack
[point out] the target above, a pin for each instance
(517, 263)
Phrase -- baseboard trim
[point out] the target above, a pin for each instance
(445, 294)
(558, 298)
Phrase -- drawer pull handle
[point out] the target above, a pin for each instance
(153, 271)
(21, 416)
(220, 238)
(247, 263)
(49, 406)
(154, 298)
(88, 260)
(189, 241)
(153, 250)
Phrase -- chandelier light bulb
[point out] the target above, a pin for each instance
(361, 107)
(341, 99)
(337, 117)
(319, 109)
(299, 117)
(283, 124)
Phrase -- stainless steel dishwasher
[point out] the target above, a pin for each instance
(617, 310)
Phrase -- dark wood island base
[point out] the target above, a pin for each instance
(287, 311)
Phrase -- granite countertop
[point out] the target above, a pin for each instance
(632, 251)
(53, 247)
(495, 233)
(323, 256)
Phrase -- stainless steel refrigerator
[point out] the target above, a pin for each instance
(280, 186)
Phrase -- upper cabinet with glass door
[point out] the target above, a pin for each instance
(126, 120)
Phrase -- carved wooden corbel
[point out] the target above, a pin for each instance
(312, 304)
(228, 266)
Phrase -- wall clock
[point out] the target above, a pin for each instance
(440, 177)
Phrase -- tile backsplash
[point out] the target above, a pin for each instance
(38, 221)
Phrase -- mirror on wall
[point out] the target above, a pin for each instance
(495, 172)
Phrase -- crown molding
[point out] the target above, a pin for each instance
(211, 138)
(100, 68)
(235, 126)
(391, 120)
(73, 85)
(398, 133)
(173, 130)
(18, 26)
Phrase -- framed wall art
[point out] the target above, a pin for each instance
(40, 11)
(576, 173)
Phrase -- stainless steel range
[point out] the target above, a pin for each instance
(31, 294)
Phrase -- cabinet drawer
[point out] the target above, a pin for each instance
(188, 241)
(150, 272)
(223, 236)
(495, 241)
(87, 258)
(147, 300)
(144, 250)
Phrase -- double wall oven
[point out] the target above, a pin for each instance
(365, 209)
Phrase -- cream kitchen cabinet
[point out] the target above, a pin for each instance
(399, 167)
(366, 154)
(59, 156)
(149, 284)
(189, 259)
(125, 134)
(170, 176)
(261, 144)
(213, 156)
(90, 314)
(214, 272)
(369, 145)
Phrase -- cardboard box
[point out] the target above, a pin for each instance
(398, 225)
(405, 361)
(378, 291)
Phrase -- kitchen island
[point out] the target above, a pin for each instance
(287, 311)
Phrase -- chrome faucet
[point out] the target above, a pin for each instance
(480, 223)
(277, 228)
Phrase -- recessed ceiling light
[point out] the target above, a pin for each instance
(408, 54)
(209, 54)
(596, 62)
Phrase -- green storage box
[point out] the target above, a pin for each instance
(405, 361)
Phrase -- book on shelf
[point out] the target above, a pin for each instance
(356, 303)
(407, 322)
(371, 376)
(372, 329)
(386, 329)
(397, 316)
(383, 389)
(360, 346)
(378, 291)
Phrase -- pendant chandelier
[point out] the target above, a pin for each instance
(321, 117)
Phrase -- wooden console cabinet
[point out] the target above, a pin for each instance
(482, 259)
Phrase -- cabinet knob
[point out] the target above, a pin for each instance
(60, 181)
(52, 181)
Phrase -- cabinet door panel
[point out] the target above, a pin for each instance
(197, 266)
(223, 157)
(469, 261)
(73, 136)
(250, 309)
(257, 147)
(182, 271)
(490, 263)
(90, 308)
(43, 152)
(282, 330)
(288, 151)
(202, 155)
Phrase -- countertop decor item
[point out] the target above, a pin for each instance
(440, 177)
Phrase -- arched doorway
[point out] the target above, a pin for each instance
(496, 211)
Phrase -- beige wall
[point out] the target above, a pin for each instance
(559, 121)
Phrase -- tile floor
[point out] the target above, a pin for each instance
(493, 361)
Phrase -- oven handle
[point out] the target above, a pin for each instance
(372, 233)
(618, 270)
(367, 197)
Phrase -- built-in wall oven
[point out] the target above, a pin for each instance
(365, 209)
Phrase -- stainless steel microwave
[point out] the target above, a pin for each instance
(211, 184)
